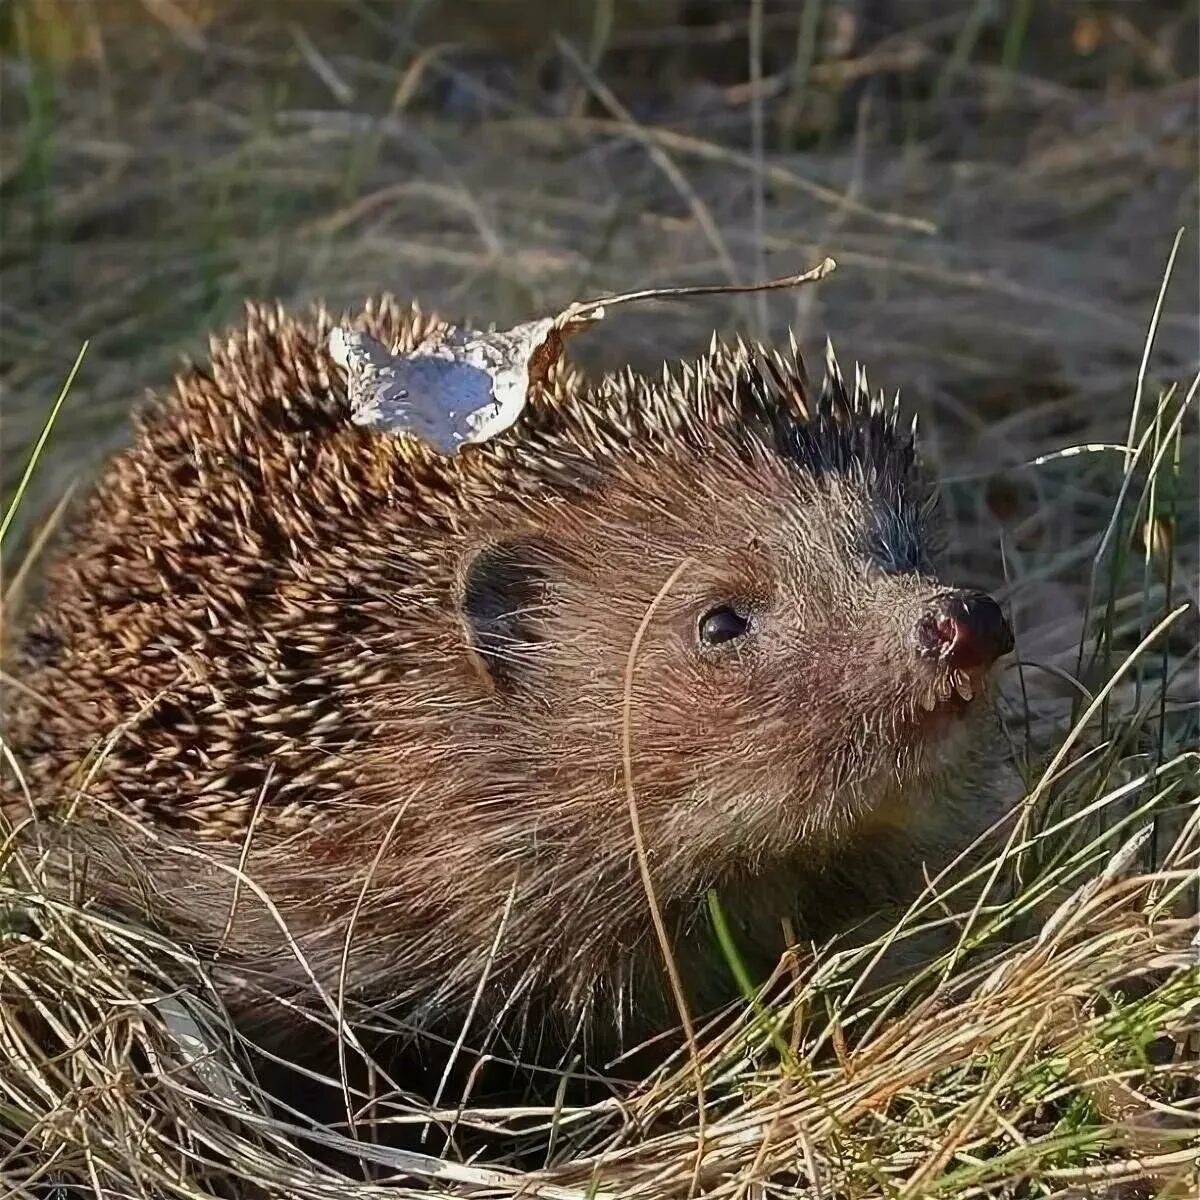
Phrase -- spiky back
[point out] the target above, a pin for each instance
(748, 393)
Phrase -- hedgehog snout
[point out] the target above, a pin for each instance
(963, 631)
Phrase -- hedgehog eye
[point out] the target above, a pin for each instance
(722, 624)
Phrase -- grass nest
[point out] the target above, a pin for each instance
(159, 168)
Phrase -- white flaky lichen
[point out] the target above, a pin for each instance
(462, 390)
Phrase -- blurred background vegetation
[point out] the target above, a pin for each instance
(1001, 183)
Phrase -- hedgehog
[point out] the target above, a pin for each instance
(355, 717)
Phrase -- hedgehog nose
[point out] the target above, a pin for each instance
(965, 630)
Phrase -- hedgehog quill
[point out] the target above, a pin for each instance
(388, 685)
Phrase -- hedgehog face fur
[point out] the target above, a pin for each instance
(780, 691)
(396, 683)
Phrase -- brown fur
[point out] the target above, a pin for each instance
(406, 673)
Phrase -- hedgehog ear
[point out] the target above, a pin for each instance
(503, 596)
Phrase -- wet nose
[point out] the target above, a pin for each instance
(965, 630)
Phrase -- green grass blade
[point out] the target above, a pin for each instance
(43, 437)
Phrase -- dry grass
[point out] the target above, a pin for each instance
(1052, 1052)
(1001, 185)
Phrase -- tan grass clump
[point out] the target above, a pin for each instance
(1055, 1046)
